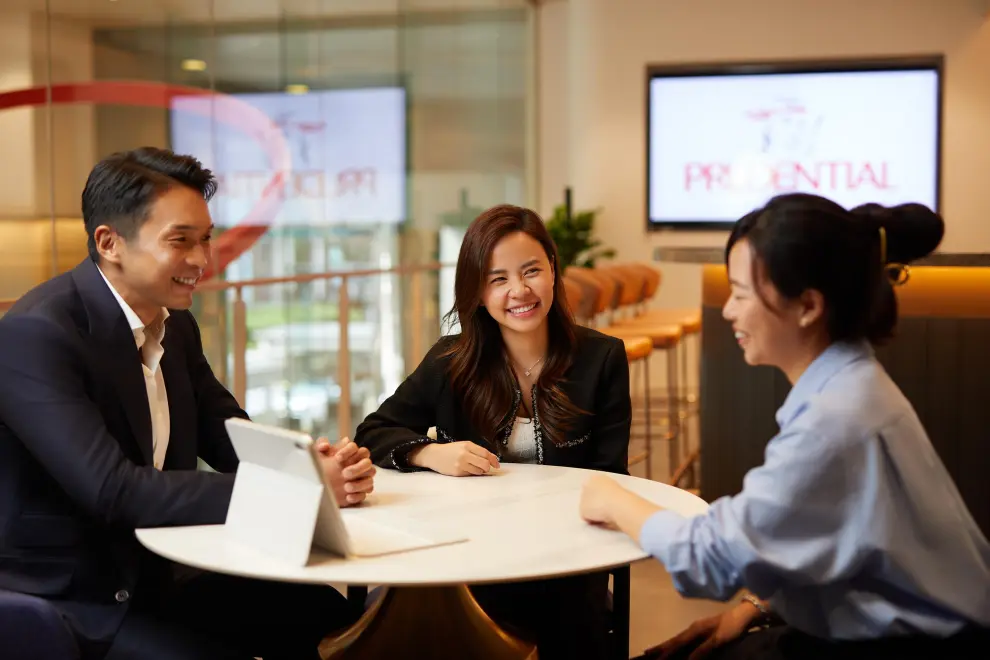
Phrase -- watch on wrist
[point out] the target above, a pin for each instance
(765, 617)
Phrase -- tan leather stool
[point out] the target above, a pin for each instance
(639, 349)
(638, 345)
(666, 339)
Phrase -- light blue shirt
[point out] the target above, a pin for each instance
(852, 527)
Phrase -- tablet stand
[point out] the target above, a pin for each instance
(274, 513)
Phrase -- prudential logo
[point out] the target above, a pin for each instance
(783, 155)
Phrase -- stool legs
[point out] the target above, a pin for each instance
(673, 411)
(646, 412)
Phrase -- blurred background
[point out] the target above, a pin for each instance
(391, 123)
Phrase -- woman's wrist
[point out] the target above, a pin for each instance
(417, 457)
(760, 611)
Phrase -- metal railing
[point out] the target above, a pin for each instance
(240, 326)
(415, 304)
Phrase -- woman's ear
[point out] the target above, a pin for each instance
(812, 308)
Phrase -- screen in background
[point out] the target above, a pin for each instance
(347, 155)
(722, 145)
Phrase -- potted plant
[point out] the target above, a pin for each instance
(573, 234)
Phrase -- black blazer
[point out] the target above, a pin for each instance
(76, 475)
(597, 382)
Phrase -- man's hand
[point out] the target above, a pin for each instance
(348, 469)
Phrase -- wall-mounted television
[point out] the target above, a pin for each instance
(347, 153)
(724, 139)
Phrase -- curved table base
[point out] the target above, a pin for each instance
(439, 623)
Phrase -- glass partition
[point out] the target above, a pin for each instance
(347, 136)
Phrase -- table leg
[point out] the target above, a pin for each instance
(436, 622)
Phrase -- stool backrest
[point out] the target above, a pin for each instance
(605, 288)
(581, 305)
(652, 278)
(631, 281)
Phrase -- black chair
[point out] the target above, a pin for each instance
(32, 629)
(619, 604)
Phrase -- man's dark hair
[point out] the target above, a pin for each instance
(121, 188)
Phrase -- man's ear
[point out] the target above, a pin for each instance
(108, 243)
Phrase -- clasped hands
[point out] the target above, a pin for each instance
(348, 469)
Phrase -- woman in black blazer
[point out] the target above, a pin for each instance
(520, 383)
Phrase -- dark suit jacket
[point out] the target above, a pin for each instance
(76, 475)
(597, 382)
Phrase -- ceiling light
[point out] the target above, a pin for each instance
(193, 65)
(296, 89)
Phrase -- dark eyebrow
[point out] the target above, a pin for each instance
(189, 227)
(737, 283)
(502, 271)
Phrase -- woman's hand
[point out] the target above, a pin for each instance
(348, 469)
(598, 499)
(709, 634)
(455, 459)
(604, 502)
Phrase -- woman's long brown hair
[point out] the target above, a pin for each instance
(479, 369)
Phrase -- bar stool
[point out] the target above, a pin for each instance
(690, 322)
(638, 348)
(640, 345)
(580, 302)
(688, 318)
(607, 289)
(618, 287)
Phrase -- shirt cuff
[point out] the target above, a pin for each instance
(658, 533)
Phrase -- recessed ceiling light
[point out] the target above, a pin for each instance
(193, 65)
(297, 89)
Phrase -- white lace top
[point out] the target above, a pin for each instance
(521, 447)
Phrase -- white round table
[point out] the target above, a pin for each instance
(522, 523)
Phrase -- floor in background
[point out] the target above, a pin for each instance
(658, 612)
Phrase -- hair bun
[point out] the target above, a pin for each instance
(913, 230)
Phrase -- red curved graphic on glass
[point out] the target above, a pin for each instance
(224, 109)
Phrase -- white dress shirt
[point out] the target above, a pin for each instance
(149, 342)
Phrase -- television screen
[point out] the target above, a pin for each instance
(339, 156)
(722, 141)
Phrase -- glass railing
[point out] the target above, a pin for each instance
(318, 352)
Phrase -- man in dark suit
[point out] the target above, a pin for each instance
(106, 401)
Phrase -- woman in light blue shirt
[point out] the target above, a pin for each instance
(851, 533)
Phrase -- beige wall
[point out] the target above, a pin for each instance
(46, 153)
(17, 189)
(593, 55)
